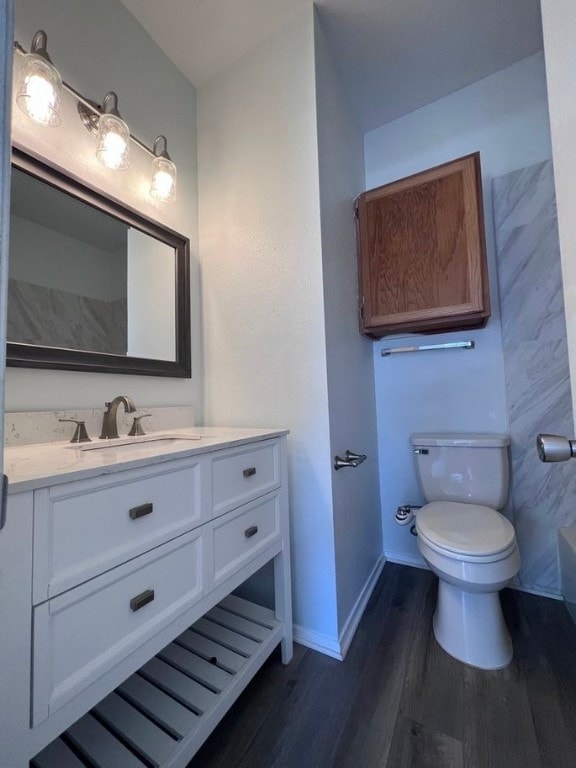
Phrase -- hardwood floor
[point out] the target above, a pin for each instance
(399, 701)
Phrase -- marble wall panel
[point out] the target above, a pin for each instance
(536, 366)
(54, 318)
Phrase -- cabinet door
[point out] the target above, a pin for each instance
(422, 255)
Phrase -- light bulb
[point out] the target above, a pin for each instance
(113, 149)
(39, 85)
(113, 142)
(41, 99)
(163, 185)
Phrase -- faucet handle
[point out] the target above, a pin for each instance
(136, 428)
(80, 434)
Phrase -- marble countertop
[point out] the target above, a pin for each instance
(35, 466)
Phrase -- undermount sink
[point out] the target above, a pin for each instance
(127, 444)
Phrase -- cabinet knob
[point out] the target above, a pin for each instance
(142, 599)
(249, 472)
(252, 531)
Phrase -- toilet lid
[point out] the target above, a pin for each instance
(467, 529)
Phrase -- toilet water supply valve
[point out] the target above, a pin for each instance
(405, 514)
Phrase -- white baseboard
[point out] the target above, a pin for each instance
(416, 562)
(539, 592)
(329, 646)
(351, 624)
(317, 642)
(403, 559)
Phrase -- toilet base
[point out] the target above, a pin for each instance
(470, 627)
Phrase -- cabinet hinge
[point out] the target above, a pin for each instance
(362, 307)
(356, 210)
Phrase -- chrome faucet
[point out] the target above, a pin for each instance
(110, 423)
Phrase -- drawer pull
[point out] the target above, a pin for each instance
(252, 531)
(249, 472)
(141, 511)
(142, 599)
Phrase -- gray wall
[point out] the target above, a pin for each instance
(352, 405)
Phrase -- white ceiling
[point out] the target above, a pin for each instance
(394, 55)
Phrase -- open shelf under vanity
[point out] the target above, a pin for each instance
(174, 701)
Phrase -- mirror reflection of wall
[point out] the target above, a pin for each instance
(75, 270)
(151, 295)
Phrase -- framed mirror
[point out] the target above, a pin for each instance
(93, 285)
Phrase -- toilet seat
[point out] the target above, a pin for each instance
(467, 532)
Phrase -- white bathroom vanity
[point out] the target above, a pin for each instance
(122, 645)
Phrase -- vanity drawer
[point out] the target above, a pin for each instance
(83, 529)
(241, 535)
(242, 474)
(80, 635)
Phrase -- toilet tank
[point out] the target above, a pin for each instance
(468, 468)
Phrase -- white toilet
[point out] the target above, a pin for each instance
(468, 544)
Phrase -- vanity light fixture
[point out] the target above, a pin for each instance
(113, 136)
(39, 84)
(163, 185)
(38, 95)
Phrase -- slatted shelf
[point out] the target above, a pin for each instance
(159, 717)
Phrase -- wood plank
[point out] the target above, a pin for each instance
(545, 654)
(433, 690)
(414, 746)
(498, 721)
(165, 710)
(135, 729)
(378, 660)
(208, 649)
(101, 748)
(238, 624)
(200, 670)
(57, 755)
(180, 686)
(226, 637)
(249, 610)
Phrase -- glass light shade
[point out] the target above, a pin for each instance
(113, 142)
(163, 185)
(39, 89)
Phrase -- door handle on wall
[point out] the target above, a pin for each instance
(555, 448)
(357, 457)
(350, 459)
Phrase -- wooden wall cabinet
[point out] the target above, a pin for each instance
(422, 253)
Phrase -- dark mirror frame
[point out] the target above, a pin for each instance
(32, 356)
